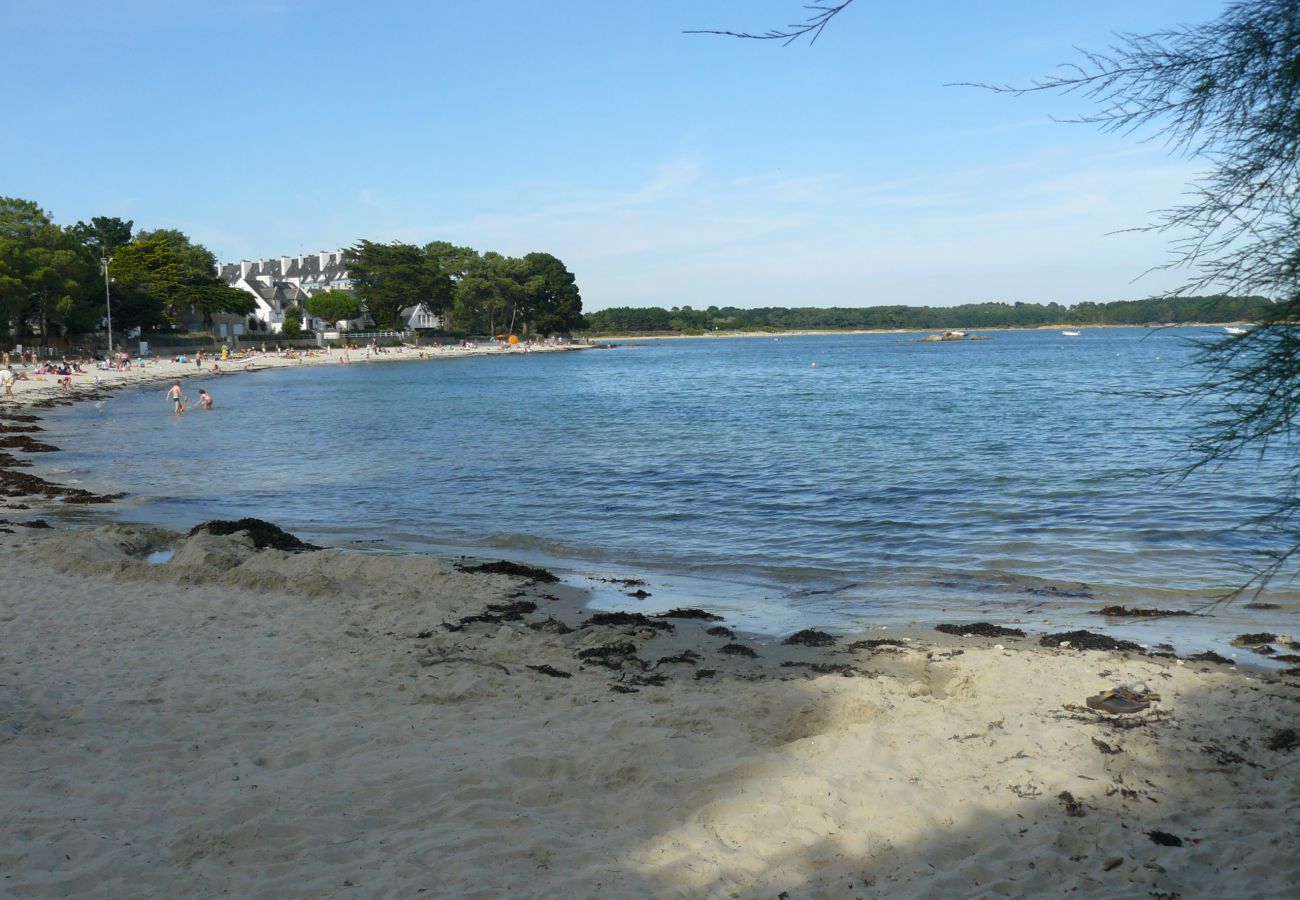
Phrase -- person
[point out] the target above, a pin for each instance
(177, 399)
(225, 352)
(7, 379)
(205, 399)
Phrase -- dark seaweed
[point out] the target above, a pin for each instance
(824, 668)
(505, 567)
(1283, 739)
(552, 671)
(626, 619)
(1165, 839)
(738, 650)
(979, 629)
(264, 534)
(811, 637)
(1121, 612)
(689, 613)
(1086, 640)
(721, 631)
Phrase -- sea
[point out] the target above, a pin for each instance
(844, 482)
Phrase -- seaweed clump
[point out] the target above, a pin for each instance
(979, 629)
(626, 619)
(810, 637)
(1086, 640)
(519, 570)
(689, 613)
(1130, 612)
(263, 534)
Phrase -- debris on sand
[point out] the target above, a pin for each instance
(1072, 806)
(612, 656)
(1210, 656)
(810, 637)
(1132, 612)
(979, 629)
(1165, 839)
(264, 534)
(878, 644)
(626, 619)
(1086, 640)
(721, 631)
(824, 668)
(1282, 740)
(686, 657)
(551, 625)
(552, 671)
(738, 650)
(505, 567)
(689, 613)
(1254, 639)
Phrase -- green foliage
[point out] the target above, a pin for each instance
(162, 272)
(334, 306)
(1153, 311)
(103, 234)
(46, 278)
(292, 326)
(389, 277)
(554, 303)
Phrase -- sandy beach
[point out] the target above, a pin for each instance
(154, 370)
(195, 715)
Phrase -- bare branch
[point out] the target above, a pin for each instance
(819, 16)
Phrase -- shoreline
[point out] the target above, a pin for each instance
(718, 335)
(40, 390)
(262, 722)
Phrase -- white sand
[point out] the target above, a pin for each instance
(256, 723)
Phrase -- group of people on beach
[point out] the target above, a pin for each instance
(179, 401)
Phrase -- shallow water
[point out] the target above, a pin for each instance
(831, 480)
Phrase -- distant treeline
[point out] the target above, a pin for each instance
(1154, 311)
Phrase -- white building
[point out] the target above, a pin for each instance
(277, 284)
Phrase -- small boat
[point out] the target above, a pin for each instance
(1233, 329)
(1070, 333)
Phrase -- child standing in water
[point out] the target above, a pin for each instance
(178, 401)
(205, 399)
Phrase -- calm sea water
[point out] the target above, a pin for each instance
(835, 480)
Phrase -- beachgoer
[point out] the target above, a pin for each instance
(205, 399)
(225, 352)
(177, 399)
(7, 379)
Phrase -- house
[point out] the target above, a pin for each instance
(420, 318)
(280, 283)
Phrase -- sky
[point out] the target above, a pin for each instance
(664, 168)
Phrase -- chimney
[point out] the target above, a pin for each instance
(324, 259)
(284, 265)
(244, 266)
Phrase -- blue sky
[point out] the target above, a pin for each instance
(665, 169)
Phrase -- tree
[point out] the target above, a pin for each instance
(334, 306)
(163, 271)
(389, 277)
(44, 276)
(554, 301)
(104, 234)
(292, 326)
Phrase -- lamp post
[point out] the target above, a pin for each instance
(108, 303)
